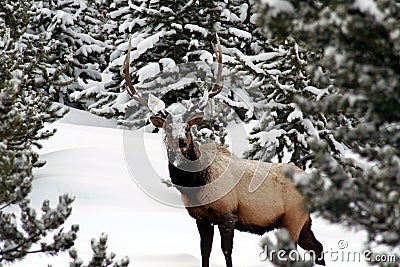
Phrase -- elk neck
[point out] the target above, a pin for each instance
(180, 175)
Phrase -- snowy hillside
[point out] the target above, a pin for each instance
(86, 159)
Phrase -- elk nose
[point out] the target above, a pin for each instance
(182, 143)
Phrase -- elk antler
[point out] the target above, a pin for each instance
(217, 86)
(124, 71)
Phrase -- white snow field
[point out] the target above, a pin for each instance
(86, 159)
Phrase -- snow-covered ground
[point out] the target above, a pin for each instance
(87, 158)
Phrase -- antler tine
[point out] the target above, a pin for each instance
(124, 72)
(217, 86)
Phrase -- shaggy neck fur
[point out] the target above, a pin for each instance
(180, 176)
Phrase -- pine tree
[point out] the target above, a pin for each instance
(100, 255)
(169, 39)
(165, 37)
(359, 47)
(26, 77)
(273, 251)
(23, 114)
(280, 75)
(165, 33)
(75, 26)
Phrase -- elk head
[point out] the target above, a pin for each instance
(177, 131)
(177, 119)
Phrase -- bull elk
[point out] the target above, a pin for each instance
(214, 184)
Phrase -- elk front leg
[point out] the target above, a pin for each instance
(206, 230)
(226, 229)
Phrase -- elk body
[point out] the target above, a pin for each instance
(227, 201)
(215, 185)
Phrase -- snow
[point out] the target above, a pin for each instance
(196, 28)
(301, 179)
(316, 91)
(369, 6)
(88, 159)
(206, 132)
(233, 103)
(155, 104)
(129, 25)
(296, 114)
(227, 14)
(80, 117)
(311, 130)
(243, 9)
(181, 83)
(86, 50)
(119, 12)
(148, 43)
(176, 26)
(166, 10)
(63, 19)
(141, 44)
(194, 43)
(148, 71)
(206, 56)
(240, 33)
(167, 64)
(178, 126)
(279, 6)
(251, 61)
(270, 136)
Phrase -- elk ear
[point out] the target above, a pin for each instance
(157, 121)
(196, 119)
